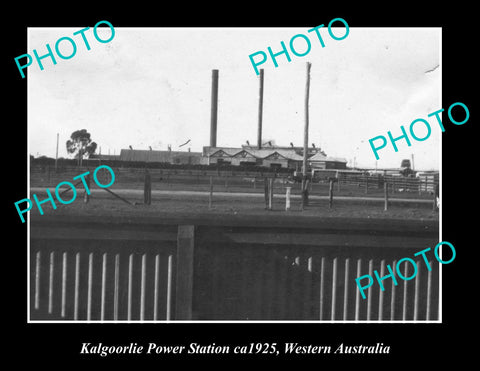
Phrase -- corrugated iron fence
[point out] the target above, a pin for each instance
(84, 270)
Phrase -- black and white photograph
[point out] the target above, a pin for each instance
(222, 190)
(210, 186)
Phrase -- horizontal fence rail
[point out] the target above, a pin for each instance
(129, 271)
(47, 175)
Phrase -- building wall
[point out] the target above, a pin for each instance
(336, 165)
(241, 161)
(328, 165)
(279, 161)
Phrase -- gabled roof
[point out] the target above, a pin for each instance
(224, 152)
(244, 153)
(286, 154)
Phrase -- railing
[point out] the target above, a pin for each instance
(373, 183)
(73, 276)
(84, 269)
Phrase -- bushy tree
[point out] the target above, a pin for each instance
(80, 144)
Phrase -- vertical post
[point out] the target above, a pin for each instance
(305, 138)
(86, 196)
(417, 292)
(330, 194)
(380, 292)
(270, 194)
(287, 198)
(345, 289)
(322, 289)
(306, 183)
(366, 183)
(357, 295)
(429, 294)
(392, 298)
(210, 196)
(266, 193)
(370, 291)
(385, 187)
(56, 155)
(184, 281)
(260, 110)
(334, 289)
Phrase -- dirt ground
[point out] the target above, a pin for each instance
(178, 205)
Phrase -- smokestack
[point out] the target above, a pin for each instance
(213, 114)
(260, 110)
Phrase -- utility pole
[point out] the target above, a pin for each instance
(56, 155)
(260, 110)
(305, 141)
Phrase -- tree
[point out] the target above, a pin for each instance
(80, 144)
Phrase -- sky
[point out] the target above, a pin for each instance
(152, 87)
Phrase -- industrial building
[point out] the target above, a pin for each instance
(273, 156)
(171, 157)
(263, 154)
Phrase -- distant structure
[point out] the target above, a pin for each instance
(274, 157)
(270, 156)
(172, 157)
(265, 154)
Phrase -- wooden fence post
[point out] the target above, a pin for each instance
(210, 196)
(287, 198)
(270, 194)
(86, 196)
(385, 187)
(330, 194)
(266, 193)
(184, 281)
(305, 185)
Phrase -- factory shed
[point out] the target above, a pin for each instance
(282, 158)
(219, 155)
(245, 158)
(172, 157)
